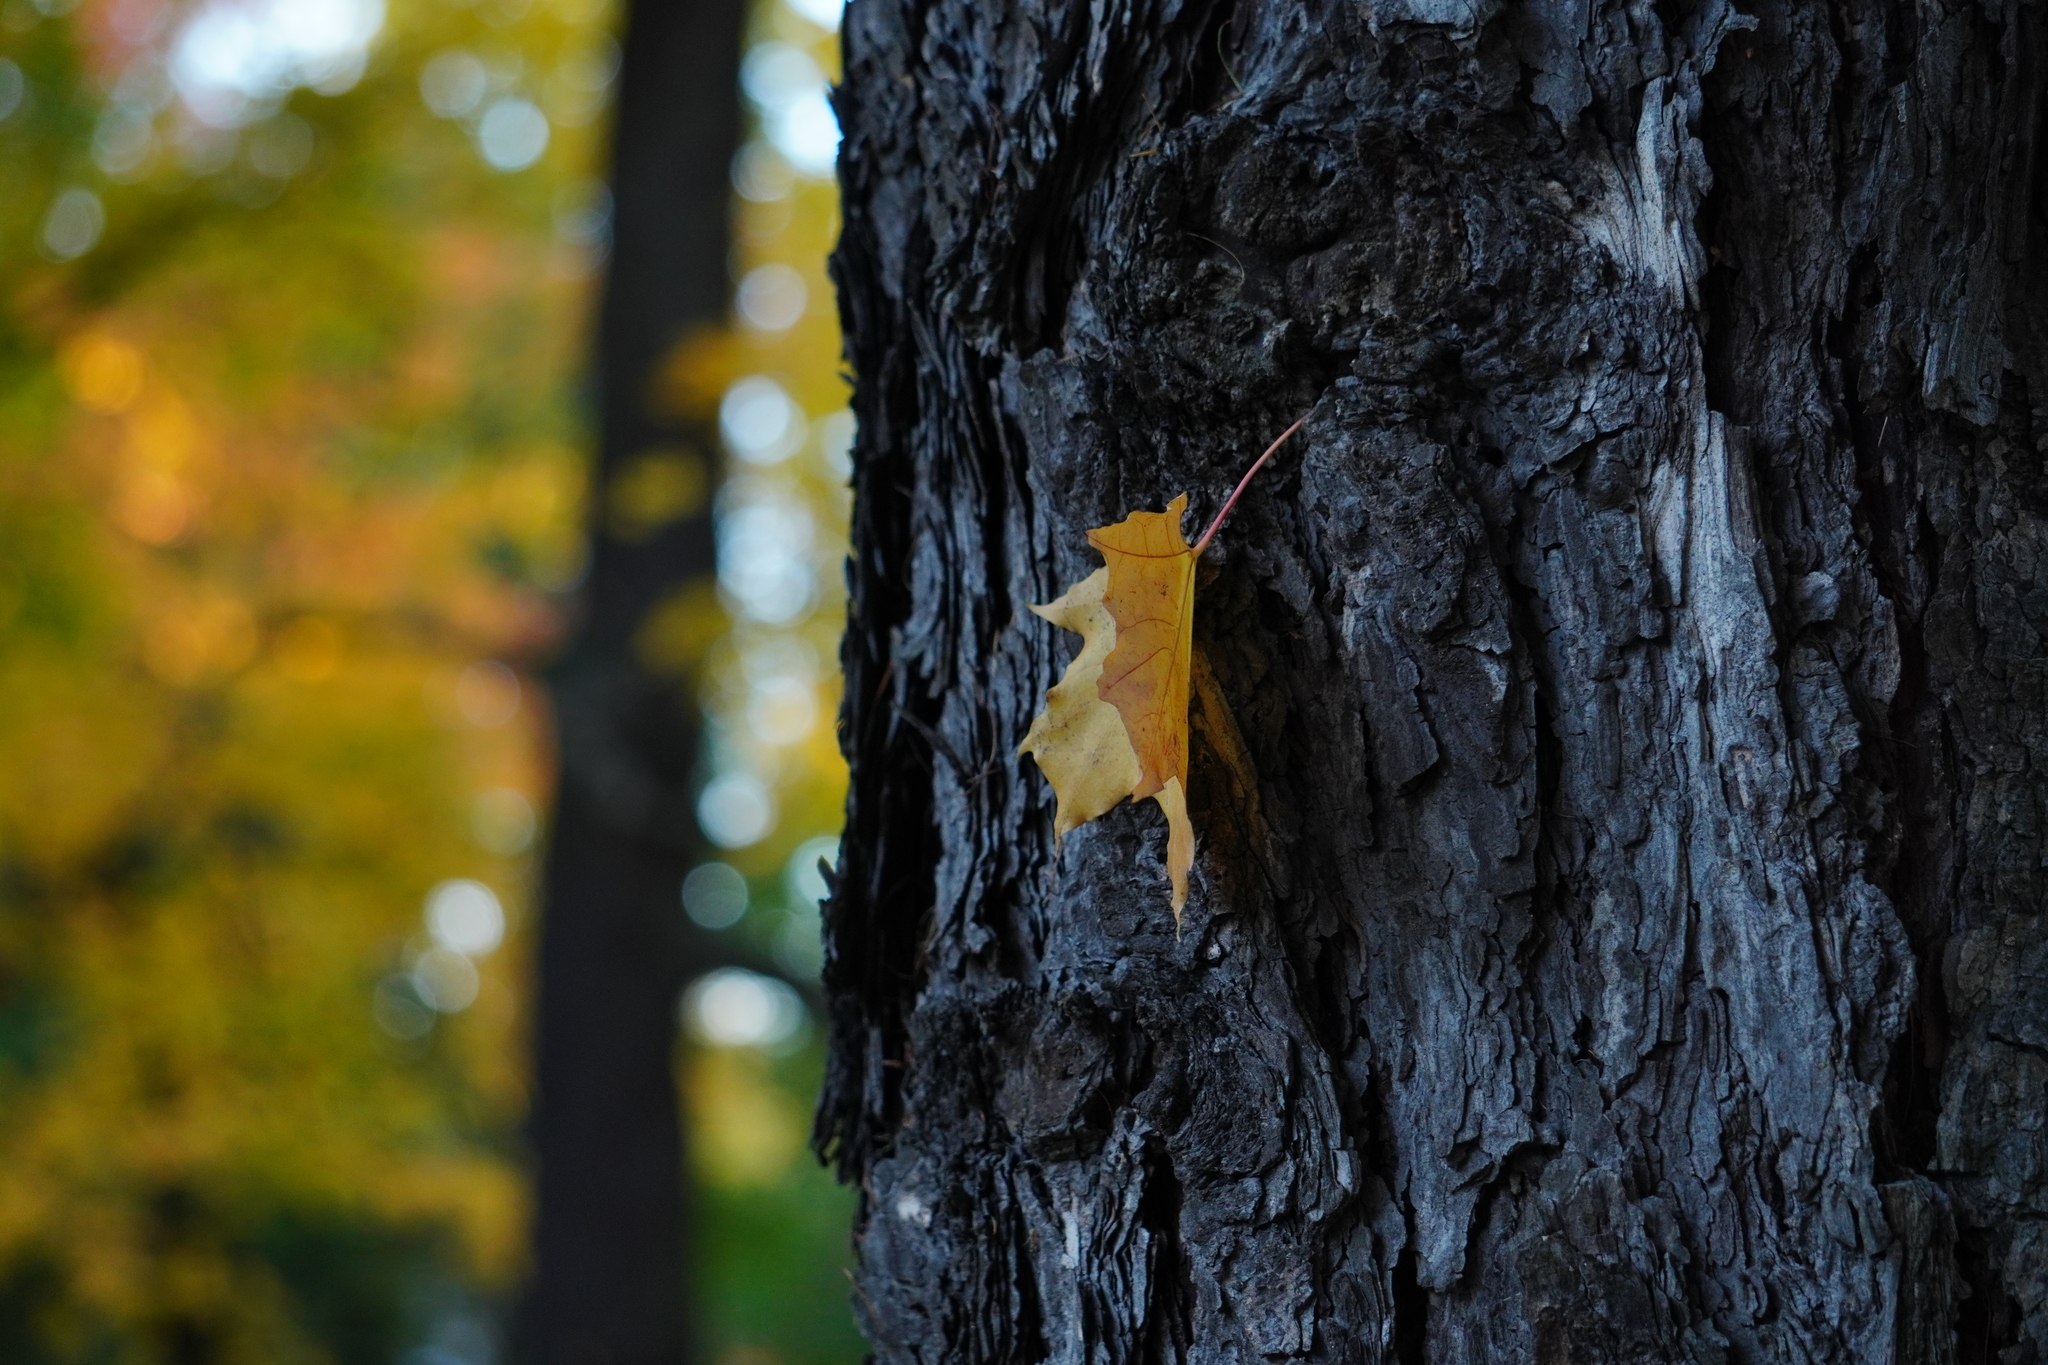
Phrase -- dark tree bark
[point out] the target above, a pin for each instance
(609, 1244)
(1629, 947)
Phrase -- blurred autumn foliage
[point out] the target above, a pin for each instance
(291, 461)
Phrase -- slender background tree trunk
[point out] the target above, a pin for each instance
(1616, 932)
(615, 949)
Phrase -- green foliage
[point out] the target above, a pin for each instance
(773, 1253)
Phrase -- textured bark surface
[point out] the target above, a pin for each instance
(1617, 926)
(610, 1225)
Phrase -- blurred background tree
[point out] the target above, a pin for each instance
(293, 446)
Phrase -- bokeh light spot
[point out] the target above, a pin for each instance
(503, 822)
(826, 14)
(736, 810)
(782, 710)
(152, 506)
(512, 134)
(771, 298)
(800, 876)
(760, 174)
(235, 58)
(581, 83)
(102, 372)
(807, 132)
(733, 1007)
(123, 140)
(788, 88)
(487, 694)
(800, 947)
(764, 541)
(453, 82)
(760, 422)
(73, 225)
(715, 895)
(835, 441)
(464, 916)
(446, 980)
(398, 1009)
(776, 73)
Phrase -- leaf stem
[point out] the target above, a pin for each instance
(1238, 492)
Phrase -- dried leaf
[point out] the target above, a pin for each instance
(1117, 722)
(1180, 841)
(1151, 594)
(1078, 739)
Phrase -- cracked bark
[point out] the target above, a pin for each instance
(1631, 950)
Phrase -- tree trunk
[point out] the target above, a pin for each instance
(615, 949)
(1624, 942)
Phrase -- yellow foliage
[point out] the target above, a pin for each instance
(746, 1131)
(680, 630)
(268, 471)
(102, 372)
(655, 488)
(697, 371)
(309, 648)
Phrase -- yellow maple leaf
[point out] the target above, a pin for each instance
(1078, 739)
(1151, 595)
(1116, 724)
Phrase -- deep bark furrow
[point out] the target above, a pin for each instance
(1622, 946)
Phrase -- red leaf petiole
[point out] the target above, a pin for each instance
(1238, 492)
